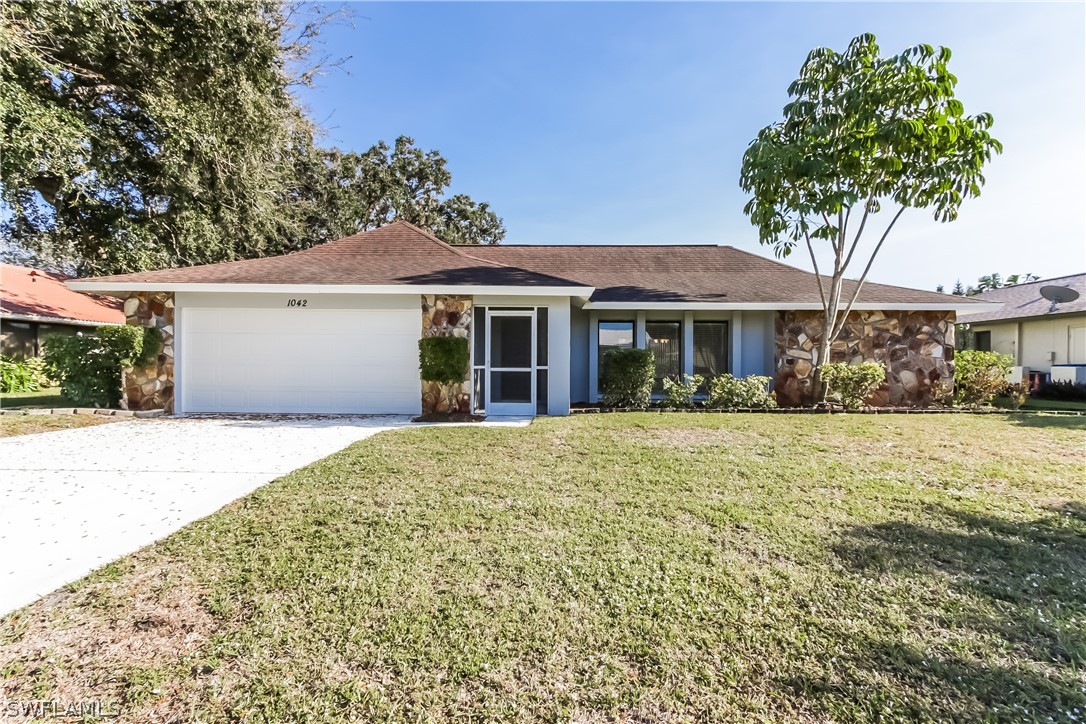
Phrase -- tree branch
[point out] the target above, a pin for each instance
(863, 277)
(814, 261)
(860, 231)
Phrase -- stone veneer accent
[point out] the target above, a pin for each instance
(446, 316)
(150, 387)
(917, 349)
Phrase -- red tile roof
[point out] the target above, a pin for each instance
(401, 253)
(36, 294)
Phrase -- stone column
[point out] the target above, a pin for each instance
(447, 316)
(151, 387)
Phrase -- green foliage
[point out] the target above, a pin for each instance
(443, 359)
(979, 376)
(851, 385)
(732, 393)
(17, 376)
(679, 393)
(89, 365)
(988, 282)
(1017, 393)
(152, 345)
(39, 372)
(863, 129)
(1062, 391)
(353, 192)
(153, 134)
(861, 134)
(627, 377)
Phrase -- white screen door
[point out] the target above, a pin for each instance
(510, 362)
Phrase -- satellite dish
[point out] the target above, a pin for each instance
(1058, 295)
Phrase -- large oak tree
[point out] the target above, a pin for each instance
(149, 134)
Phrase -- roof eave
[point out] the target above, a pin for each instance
(43, 319)
(965, 319)
(802, 306)
(124, 288)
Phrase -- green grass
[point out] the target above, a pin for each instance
(641, 566)
(1034, 404)
(11, 425)
(49, 397)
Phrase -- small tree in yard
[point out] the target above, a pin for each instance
(862, 134)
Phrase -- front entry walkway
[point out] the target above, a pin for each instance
(74, 500)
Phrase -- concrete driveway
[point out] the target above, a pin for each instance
(74, 500)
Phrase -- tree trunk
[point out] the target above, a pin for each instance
(823, 352)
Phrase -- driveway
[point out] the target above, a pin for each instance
(74, 500)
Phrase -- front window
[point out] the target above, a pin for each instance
(983, 341)
(710, 348)
(665, 342)
(614, 335)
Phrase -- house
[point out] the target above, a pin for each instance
(35, 304)
(1036, 331)
(335, 328)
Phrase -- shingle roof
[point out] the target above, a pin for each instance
(1025, 300)
(698, 273)
(401, 253)
(29, 293)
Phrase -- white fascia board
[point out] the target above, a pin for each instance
(782, 306)
(57, 320)
(115, 288)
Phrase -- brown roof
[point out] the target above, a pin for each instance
(401, 253)
(702, 273)
(1024, 300)
(30, 293)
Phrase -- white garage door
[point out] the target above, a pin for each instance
(311, 360)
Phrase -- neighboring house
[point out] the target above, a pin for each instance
(335, 328)
(35, 304)
(1030, 328)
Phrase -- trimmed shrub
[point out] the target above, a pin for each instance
(851, 385)
(16, 376)
(750, 392)
(627, 377)
(89, 366)
(679, 393)
(1062, 392)
(979, 376)
(443, 359)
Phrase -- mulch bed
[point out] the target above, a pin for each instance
(449, 417)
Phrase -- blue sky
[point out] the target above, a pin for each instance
(626, 123)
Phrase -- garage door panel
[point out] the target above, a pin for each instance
(265, 360)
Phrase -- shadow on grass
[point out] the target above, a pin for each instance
(1001, 602)
(1059, 422)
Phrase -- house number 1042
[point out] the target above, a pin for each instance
(297, 302)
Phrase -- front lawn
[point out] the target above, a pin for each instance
(11, 425)
(1036, 404)
(48, 397)
(637, 567)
